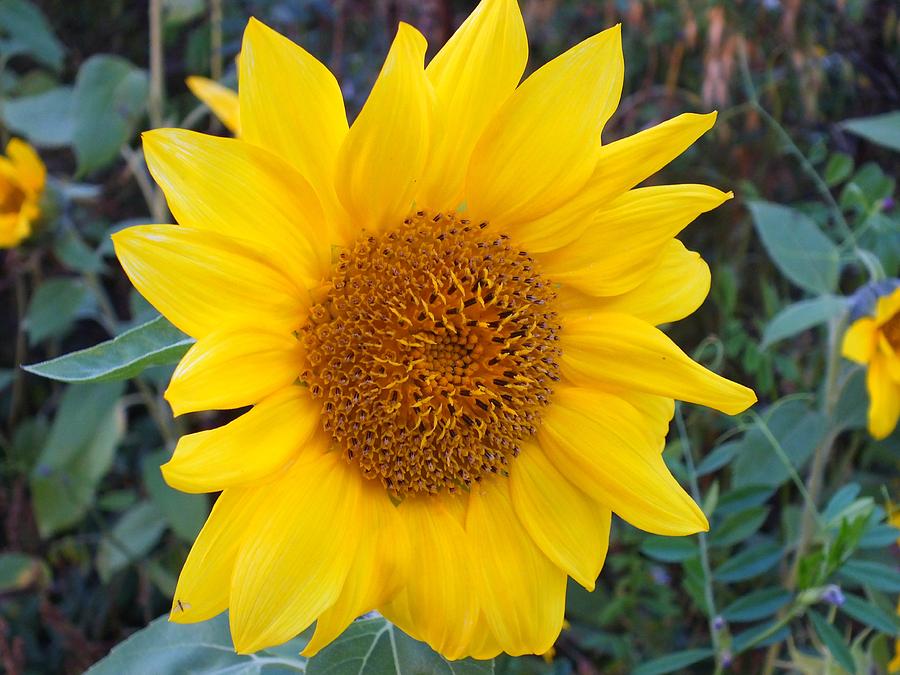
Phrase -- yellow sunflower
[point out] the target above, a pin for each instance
(874, 341)
(222, 101)
(22, 178)
(443, 317)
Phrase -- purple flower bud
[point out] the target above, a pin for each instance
(718, 624)
(833, 595)
(887, 204)
(660, 575)
(727, 658)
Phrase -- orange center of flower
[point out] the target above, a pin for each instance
(433, 353)
(11, 197)
(891, 330)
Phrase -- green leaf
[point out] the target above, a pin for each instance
(375, 646)
(672, 662)
(6, 378)
(738, 526)
(28, 30)
(75, 254)
(744, 498)
(155, 343)
(110, 98)
(54, 308)
(132, 537)
(852, 407)
(19, 571)
(718, 458)
(752, 561)
(801, 316)
(756, 605)
(840, 165)
(833, 641)
(884, 130)
(44, 119)
(867, 613)
(185, 513)
(797, 246)
(839, 501)
(669, 549)
(200, 648)
(870, 573)
(77, 454)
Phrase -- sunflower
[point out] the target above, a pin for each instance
(222, 101)
(22, 178)
(443, 319)
(874, 341)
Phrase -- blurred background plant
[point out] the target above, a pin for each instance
(799, 570)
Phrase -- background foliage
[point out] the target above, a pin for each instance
(799, 571)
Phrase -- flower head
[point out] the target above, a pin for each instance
(444, 319)
(22, 178)
(874, 341)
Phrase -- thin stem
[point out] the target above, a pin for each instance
(142, 178)
(708, 595)
(157, 96)
(215, 39)
(21, 346)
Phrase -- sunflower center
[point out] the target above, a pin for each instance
(432, 353)
(891, 330)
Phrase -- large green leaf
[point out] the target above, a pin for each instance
(797, 246)
(752, 561)
(110, 98)
(872, 573)
(185, 513)
(757, 605)
(132, 537)
(44, 119)
(881, 129)
(675, 661)
(870, 614)
(27, 32)
(77, 454)
(155, 343)
(54, 307)
(801, 316)
(833, 641)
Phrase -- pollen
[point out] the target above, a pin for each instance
(433, 351)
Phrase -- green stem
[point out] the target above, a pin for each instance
(157, 96)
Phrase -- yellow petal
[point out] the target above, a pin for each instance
(473, 74)
(248, 449)
(619, 350)
(444, 613)
(202, 281)
(203, 585)
(570, 527)
(628, 238)
(378, 571)
(30, 170)
(675, 288)
(242, 191)
(860, 340)
(620, 166)
(887, 307)
(295, 557)
(384, 155)
(657, 411)
(522, 592)
(884, 399)
(603, 445)
(233, 368)
(292, 105)
(484, 643)
(220, 99)
(544, 142)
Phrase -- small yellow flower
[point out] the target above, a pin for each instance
(875, 341)
(221, 100)
(443, 317)
(22, 178)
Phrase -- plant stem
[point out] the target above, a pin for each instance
(157, 98)
(708, 595)
(21, 346)
(215, 39)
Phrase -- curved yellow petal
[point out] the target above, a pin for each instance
(619, 350)
(250, 448)
(232, 368)
(602, 444)
(657, 411)
(676, 287)
(442, 614)
(205, 580)
(543, 144)
(884, 398)
(202, 281)
(385, 153)
(523, 594)
(222, 101)
(292, 105)
(620, 166)
(860, 340)
(627, 239)
(571, 528)
(473, 74)
(30, 170)
(378, 571)
(887, 307)
(299, 547)
(242, 191)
